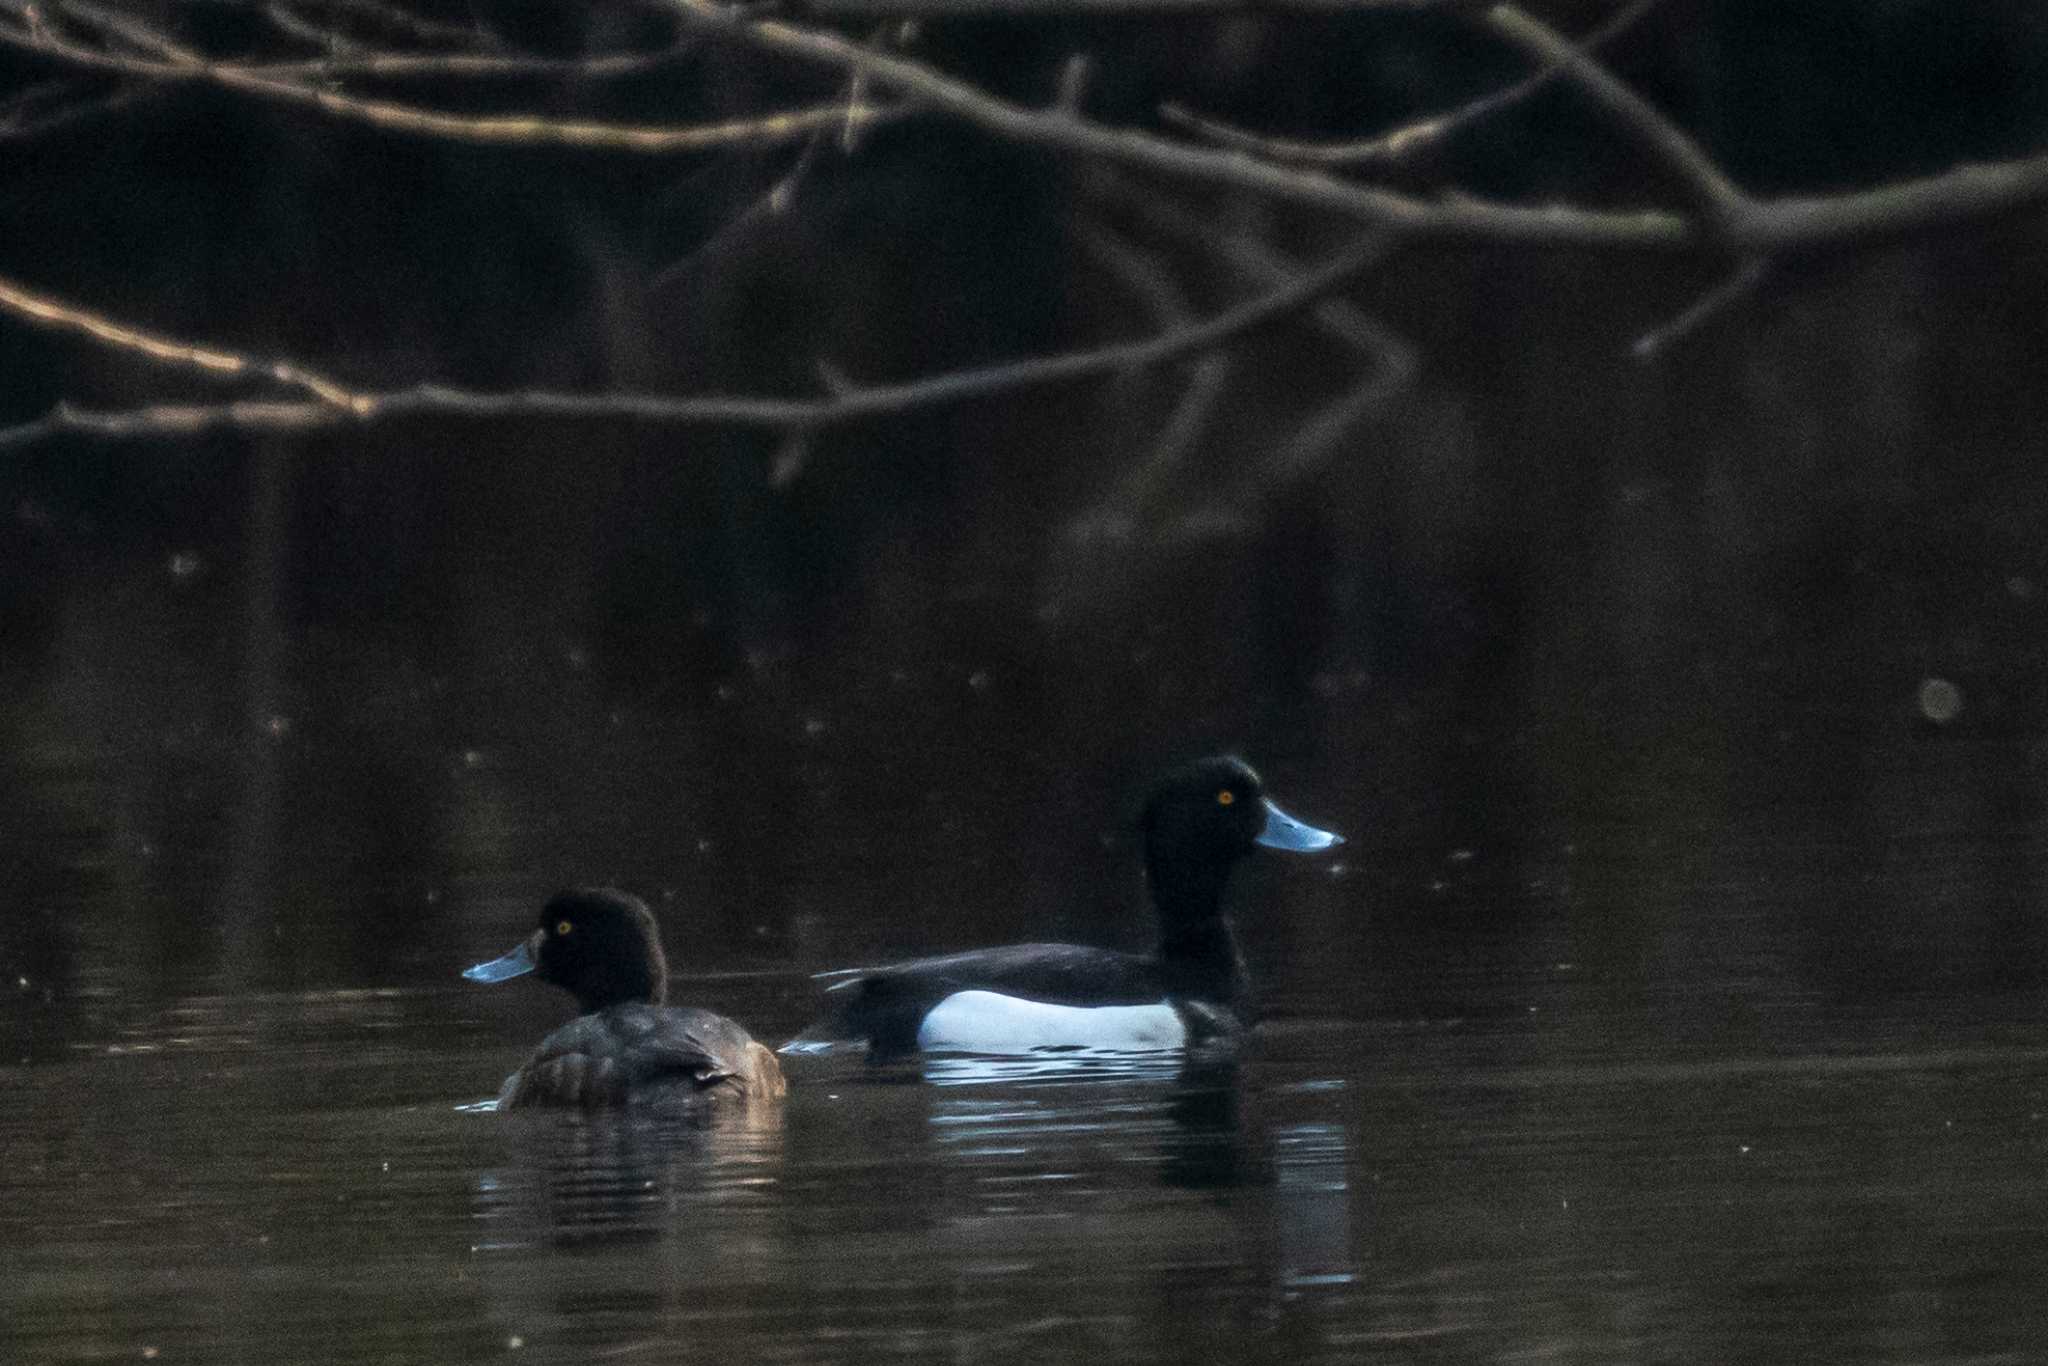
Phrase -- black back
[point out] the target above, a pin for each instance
(1198, 823)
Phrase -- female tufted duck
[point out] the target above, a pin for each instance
(1199, 821)
(603, 947)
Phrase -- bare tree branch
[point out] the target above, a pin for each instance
(392, 66)
(1964, 193)
(182, 64)
(338, 405)
(1265, 266)
(1145, 276)
(1739, 284)
(292, 24)
(1060, 129)
(1391, 357)
(363, 62)
(1093, 9)
(1713, 192)
(45, 311)
(1716, 197)
(394, 20)
(1412, 139)
(51, 105)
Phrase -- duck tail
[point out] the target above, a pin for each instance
(869, 1013)
(818, 1041)
(841, 1029)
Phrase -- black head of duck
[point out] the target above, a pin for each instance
(1202, 818)
(600, 945)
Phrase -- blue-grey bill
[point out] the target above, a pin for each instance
(520, 960)
(1284, 832)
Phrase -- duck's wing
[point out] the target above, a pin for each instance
(642, 1051)
(884, 1005)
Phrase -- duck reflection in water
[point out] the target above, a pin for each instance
(627, 1046)
(626, 1176)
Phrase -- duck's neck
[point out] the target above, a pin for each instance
(1198, 954)
(633, 987)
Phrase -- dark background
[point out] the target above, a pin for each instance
(1539, 586)
(1676, 997)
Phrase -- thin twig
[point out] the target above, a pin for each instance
(392, 19)
(292, 25)
(515, 129)
(376, 64)
(1713, 192)
(1058, 129)
(1265, 265)
(46, 311)
(1144, 276)
(49, 105)
(1409, 140)
(1392, 358)
(21, 127)
(772, 202)
(338, 405)
(1099, 9)
(1889, 211)
(1738, 284)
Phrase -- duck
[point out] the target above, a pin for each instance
(627, 1044)
(1199, 822)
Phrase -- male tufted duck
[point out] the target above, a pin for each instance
(1198, 822)
(603, 947)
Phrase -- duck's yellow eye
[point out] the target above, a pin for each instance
(563, 927)
(1225, 797)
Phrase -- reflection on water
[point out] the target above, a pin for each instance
(1049, 1066)
(239, 1177)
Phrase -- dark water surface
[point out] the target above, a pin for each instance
(1508, 1138)
(1678, 997)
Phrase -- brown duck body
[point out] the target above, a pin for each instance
(628, 1046)
(645, 1054)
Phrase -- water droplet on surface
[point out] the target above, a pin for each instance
(1940, 700)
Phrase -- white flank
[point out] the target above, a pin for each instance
(988, 1022)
